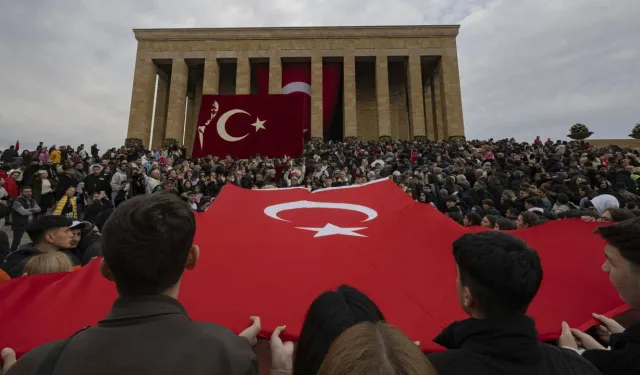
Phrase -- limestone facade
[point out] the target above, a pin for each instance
(401, 82)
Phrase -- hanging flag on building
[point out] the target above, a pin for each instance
(246, 125)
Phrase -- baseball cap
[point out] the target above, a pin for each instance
(83, 225)
(46, 223)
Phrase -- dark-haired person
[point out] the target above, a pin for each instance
(622, 254)
(498, 277)
(489, 221)
(502, 223)
(48, 233)
(329, 315)
(472, 219)
(22, 214)
(147, 245)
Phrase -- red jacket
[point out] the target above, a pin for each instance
(11, 186)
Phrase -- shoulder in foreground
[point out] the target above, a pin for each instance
(567, 360)
(28, 364)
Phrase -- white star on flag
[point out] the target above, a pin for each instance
(259, 124)
(332, 230)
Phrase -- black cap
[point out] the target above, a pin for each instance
(45, 224)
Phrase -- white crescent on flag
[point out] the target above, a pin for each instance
(292, 87)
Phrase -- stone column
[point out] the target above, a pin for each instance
(416, 101)
(451, 94)
(349, 97)
(275, 75)
(429, 118)
(189, 128)
(243, 76)
(317, 130)
(382, 93)
(438, 110)
(160, 117)
(141, 110)
(191, 124)
(211, 80)
(177, 100)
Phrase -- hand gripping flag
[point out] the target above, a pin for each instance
(286, 246)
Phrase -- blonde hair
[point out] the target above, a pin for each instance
(48, 263)
(375, 349)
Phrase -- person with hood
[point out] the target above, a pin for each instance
(498, 277)
(48, 234)
(86, 241)
(624, 196)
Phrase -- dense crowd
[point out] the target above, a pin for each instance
(64, 199)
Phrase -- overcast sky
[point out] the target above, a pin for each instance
(528, 67)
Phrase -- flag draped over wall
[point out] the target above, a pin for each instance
(286, 246)
(245, 125)
(296, 80)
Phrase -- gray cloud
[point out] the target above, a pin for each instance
(528, 67)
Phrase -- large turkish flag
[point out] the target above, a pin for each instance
(285, 247)
(245, 125)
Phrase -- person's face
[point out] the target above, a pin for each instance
(603, 185)
(524, 194)
(70, 191)
(61, 238)
(486, 223)
(168, 187)
(27, 193)
(466, 222)
(79, 166)
(96, 170)
(76, 235)
(451, 204)
(192, 198)
(107, 170)
(15, 175)
(520, 222)
(624, 275)
(582, 193)
(606, 216)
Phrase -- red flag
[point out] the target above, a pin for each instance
(296, 79)
(18, 145)
(245, 125)
(374, 237)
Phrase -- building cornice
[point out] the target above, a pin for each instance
(351, 32)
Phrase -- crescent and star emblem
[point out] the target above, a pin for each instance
(221, 126)
(329, 229)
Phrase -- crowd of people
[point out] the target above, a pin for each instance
(65, 200)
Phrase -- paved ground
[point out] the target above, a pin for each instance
(7, 229)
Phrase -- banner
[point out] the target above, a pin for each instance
(286, 246)
(296, 80)
(245, 125)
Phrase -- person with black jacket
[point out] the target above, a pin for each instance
(96, 181)
(23, 212)
(622, 254)
(498, 277)
(49, 233)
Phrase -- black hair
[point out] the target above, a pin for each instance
(624, 236)
(474, 218)
(456, 216)
(146, 242)
(488, 202)
(501, 271)
(505, 224)
(25, 187)
(535, 202)
(562, 198)
(620, 214)
(492, 219)
(44, 224)
(329, 315)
